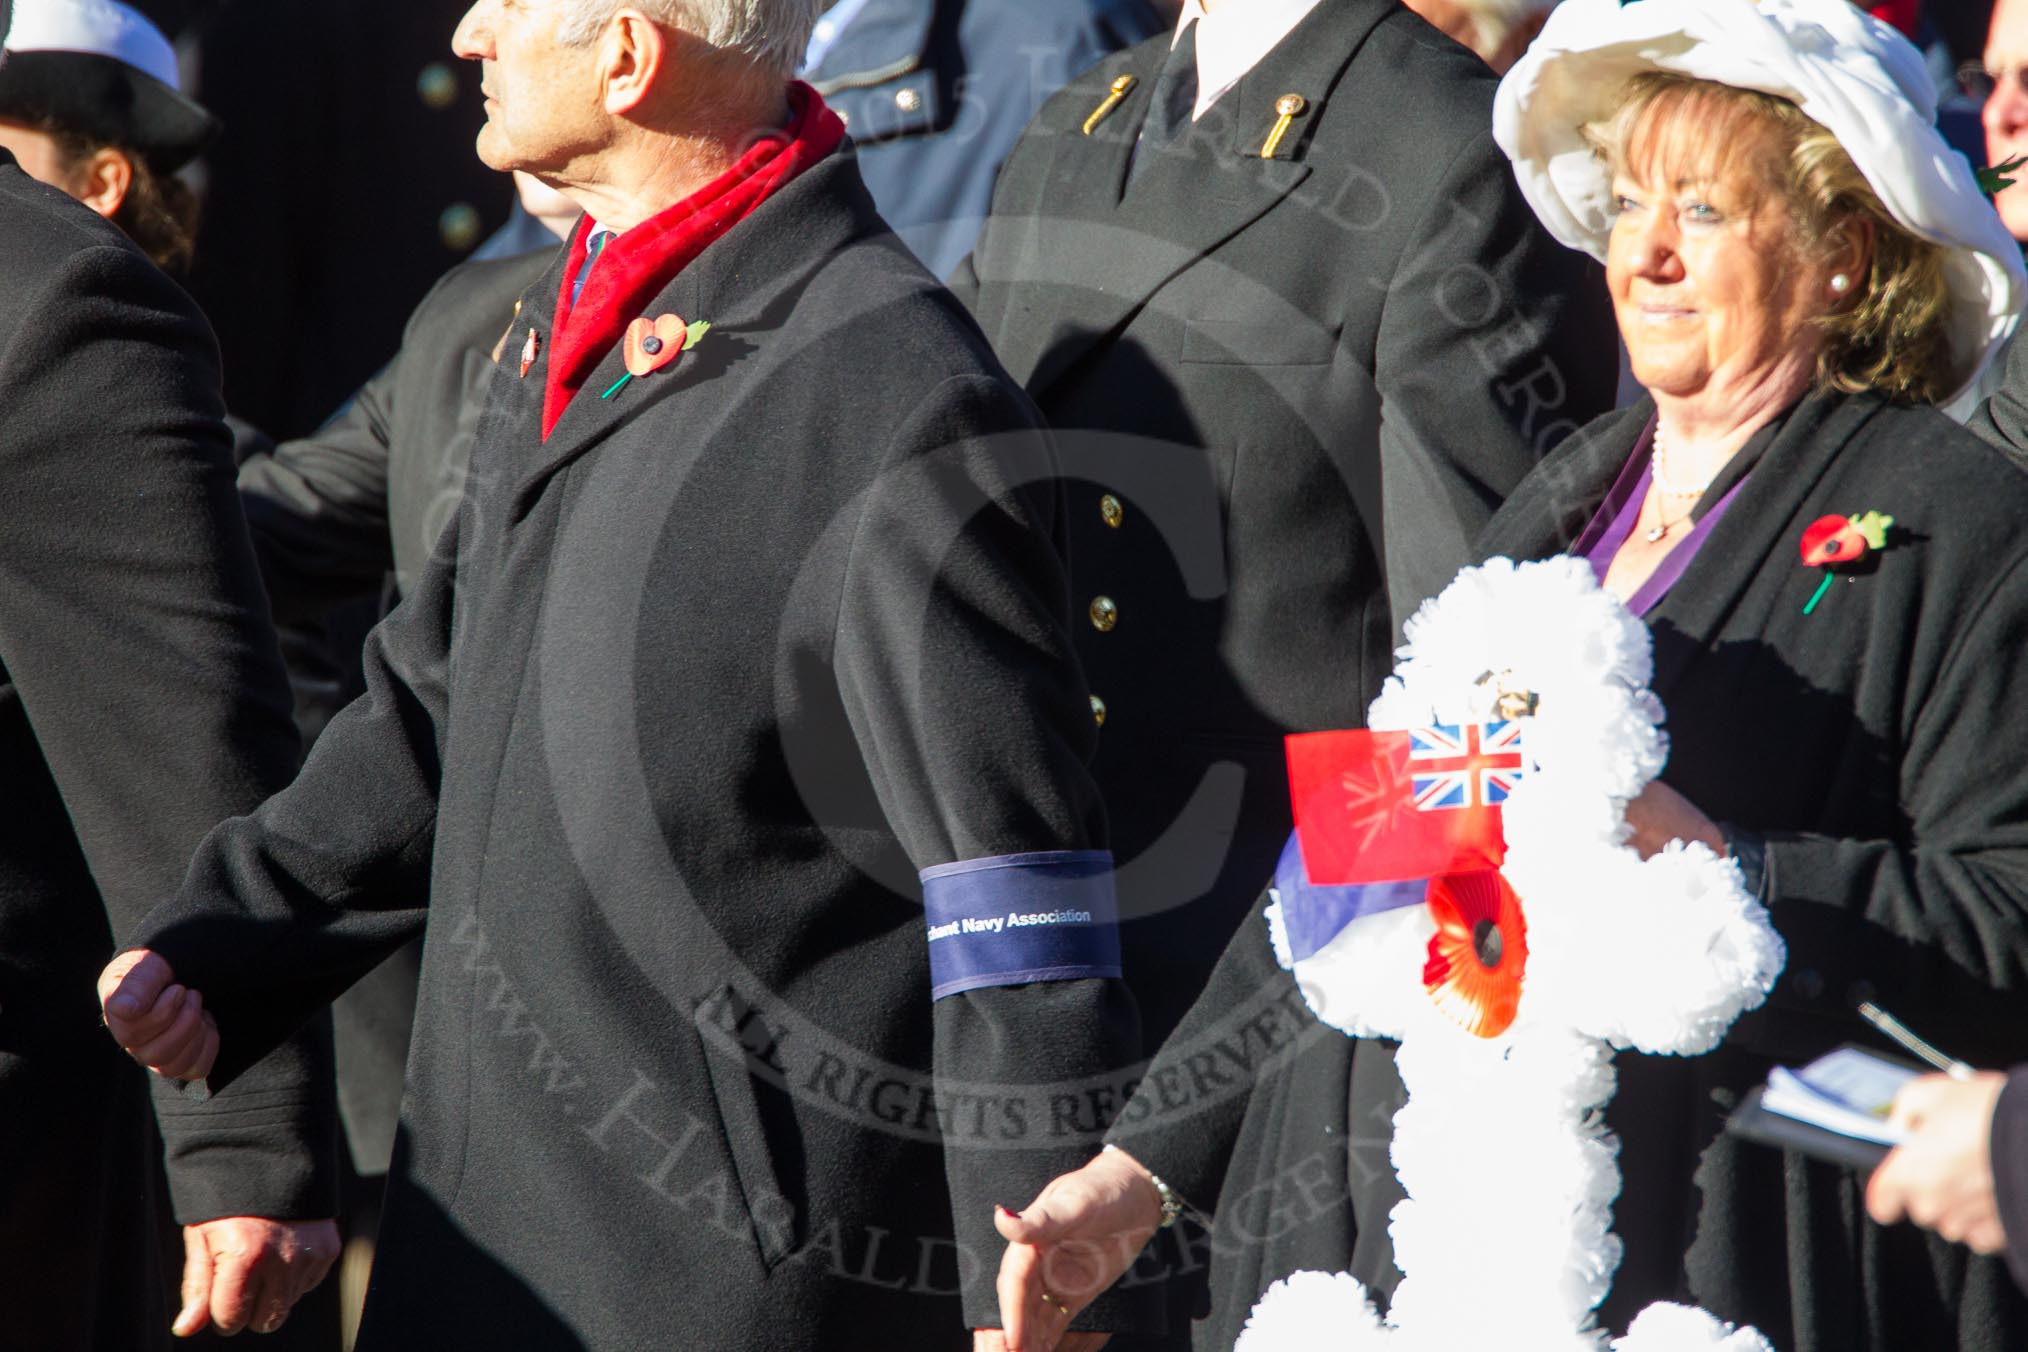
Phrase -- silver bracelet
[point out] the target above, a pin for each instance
(1172, 1205)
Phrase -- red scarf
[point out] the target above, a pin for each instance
(638, 263)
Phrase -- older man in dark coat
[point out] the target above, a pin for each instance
(141, 701)
(746, 648)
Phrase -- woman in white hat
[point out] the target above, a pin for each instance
(90, 103)
(1801, 270)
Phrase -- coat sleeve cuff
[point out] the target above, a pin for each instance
(2009, 1144)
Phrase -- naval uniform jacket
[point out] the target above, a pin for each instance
(141, 702)
(333, 515)
(936, 92)
(1870, 744)
(688, 697)
(1289, 390)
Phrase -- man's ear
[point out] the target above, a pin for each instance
(631, 56)
(102, 180)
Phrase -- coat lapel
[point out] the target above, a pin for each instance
(1134, 240)
(745, 285)
(590, 418)
(1550, 508)
(1760, 530)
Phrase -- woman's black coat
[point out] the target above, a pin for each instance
(1876, 745)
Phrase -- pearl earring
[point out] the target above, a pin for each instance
(1840, 283)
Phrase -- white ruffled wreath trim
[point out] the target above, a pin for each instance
(1505, 1238)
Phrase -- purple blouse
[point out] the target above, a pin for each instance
(1613, 522)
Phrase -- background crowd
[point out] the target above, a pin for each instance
(1309, 336)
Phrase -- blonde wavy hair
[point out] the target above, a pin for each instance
(1891, 334)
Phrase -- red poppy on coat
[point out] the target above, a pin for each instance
(654, 343)
(1831, 540)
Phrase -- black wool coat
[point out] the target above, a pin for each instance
(1290, 388)
(689, 694)
(1868, 744)
(334, 515)
(141, 702)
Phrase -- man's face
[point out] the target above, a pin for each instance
(2006, 112)
(542, 97)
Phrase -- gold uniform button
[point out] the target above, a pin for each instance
(1113, 510)
(907, 100)
(1104, 614)
(1098, 711)
(1291, 105)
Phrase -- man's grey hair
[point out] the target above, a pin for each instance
(774, 33)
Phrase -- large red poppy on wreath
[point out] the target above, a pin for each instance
(1479, 954)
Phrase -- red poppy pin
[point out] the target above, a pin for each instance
(1837, 542)
(653, 345)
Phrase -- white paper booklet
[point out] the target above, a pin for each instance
(1849, 1092)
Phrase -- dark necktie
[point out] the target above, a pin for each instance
(1171, 104)
(597, 246)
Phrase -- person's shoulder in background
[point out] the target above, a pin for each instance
(936, 92)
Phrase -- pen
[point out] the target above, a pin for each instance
(1899, 1031)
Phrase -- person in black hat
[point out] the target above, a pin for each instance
(90, 103)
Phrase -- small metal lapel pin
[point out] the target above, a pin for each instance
(1288, 108)
(1120, 88)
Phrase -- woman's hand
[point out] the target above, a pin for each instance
(1072, 1242)
(1661, 815)
(1942, 1179)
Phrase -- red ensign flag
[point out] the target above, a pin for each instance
(1377, 807)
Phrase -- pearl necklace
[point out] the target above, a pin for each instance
(1658, 468)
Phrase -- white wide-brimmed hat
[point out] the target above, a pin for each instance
(1850, 72)
(100, 66)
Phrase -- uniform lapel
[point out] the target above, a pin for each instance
(1760, 531)
(1202, 192)
(1063, 256)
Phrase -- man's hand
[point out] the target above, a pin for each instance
(161, 1024)
(1943, 1178)
(1072, 1242)
(242, 1272)
(1661, 815)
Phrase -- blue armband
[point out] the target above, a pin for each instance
(1015, 918)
